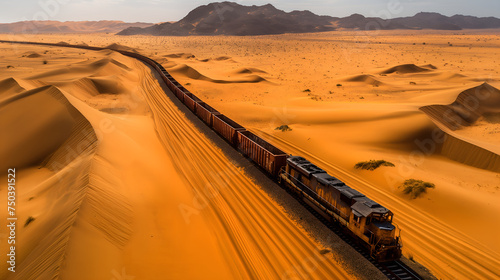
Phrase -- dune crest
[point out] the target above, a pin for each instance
(32, 55)
(367, 79)
(65, 143)
(452, 77)
(249, 70)
(429, 66)
(10, 86)
(48, 112)
(116, 46)
(180, 55)
(469, 106)
(405, 69)
(190, 72)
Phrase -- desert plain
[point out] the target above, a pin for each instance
(119, 182)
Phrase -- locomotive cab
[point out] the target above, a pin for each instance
(373, 224)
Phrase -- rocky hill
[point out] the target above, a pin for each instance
(228, 18)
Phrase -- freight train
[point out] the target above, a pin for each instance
(362, 218)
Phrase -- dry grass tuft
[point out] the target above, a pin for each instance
(372, 164)
(415, 188)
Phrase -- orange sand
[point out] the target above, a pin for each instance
(356, 96)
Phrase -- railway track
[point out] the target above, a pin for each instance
(393, 269)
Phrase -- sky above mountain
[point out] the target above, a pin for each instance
(173, 10)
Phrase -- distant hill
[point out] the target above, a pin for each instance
(68, 26)
(228, 18)
(440, 22)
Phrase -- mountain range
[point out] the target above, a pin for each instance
(228, 18)
(30, 27)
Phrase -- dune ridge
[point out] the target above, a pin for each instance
(468, 153)
(20, 148)
(367, 79)
(192, 73)
(10, 87)
(469, 106)
(55, 138)
(119, 47)
(405, 69)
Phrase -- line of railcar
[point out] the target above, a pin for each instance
(367, 221)
(362, 217)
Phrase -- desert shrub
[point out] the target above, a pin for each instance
(283, 128)
(415, 188)
(45, 62)
(306, 90)
(28, 221)
(372, 164)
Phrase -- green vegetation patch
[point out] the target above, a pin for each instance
(415, 188)
(372, 164)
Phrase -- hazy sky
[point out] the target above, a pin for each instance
(171, 10)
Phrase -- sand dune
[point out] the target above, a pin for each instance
(190, 72)
(33, 55)
(10, 86)
(367, 79)
(429, 66)
(249, 70)
(180, 55)
(458, 149)
(452, 77)
(119, 47)
(469, 106)
(405, 69)
(49, 113)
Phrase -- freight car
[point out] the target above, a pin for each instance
(364, 219)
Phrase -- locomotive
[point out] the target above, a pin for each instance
(364, 219)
